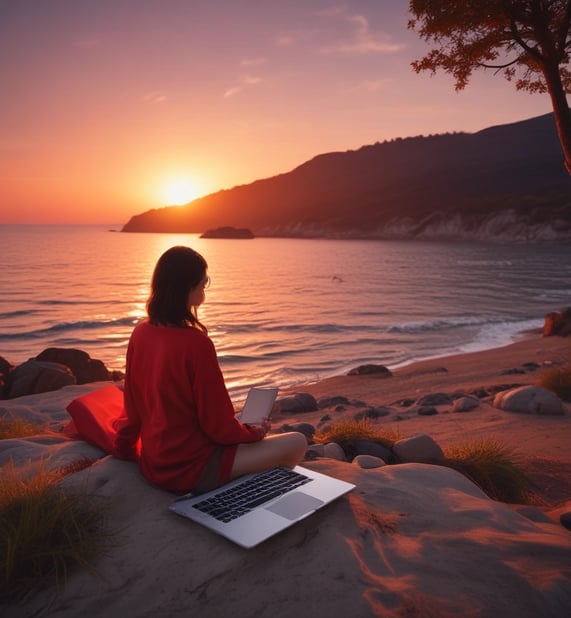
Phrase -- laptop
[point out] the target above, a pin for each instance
(255, 507)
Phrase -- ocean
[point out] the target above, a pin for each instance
(281, 312)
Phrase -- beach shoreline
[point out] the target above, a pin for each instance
(539, 441)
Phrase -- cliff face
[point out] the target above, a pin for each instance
(505, 182)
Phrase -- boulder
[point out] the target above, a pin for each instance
(84, 368)
(302, 402)
(425, 410)
(372, 413)
(368, 462)
(465, 404)
(334, 451)
(377, 370)
(417, 449)
(558, 323)
(435, 399)
(358, 446)
(529, 400)
(330, 402)
(34, 377)
(5, 366)
(306, 429)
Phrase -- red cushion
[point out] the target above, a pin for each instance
(94, 414)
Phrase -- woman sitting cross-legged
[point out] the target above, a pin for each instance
(176, 401)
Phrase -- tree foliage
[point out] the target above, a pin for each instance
(528, 41)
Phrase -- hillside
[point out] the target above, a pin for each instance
(506, 182)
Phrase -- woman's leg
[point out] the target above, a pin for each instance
(286, 449)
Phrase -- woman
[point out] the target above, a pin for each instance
(175, 397)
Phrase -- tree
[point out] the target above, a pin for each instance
(526, 40)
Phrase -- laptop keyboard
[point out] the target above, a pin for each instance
(242, 498)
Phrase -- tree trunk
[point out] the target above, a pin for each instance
(560, 110)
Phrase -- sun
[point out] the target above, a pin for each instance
(180, 191)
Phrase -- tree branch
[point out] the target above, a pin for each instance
(499, 66)
(532, 51)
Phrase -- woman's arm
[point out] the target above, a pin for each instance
(215, 411)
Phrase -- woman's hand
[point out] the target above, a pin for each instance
(263, 428)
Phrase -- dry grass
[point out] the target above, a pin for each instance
(493, 467)
(557, 380)
(350, 429)
(17, 428)
(45, 530)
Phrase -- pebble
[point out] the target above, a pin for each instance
(368, 461)
(334, 451)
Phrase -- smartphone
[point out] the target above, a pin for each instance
(259, 404)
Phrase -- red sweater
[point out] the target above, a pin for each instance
(177, 402)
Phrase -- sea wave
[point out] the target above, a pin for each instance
(440, 324)
(16, 314)
(82, 325)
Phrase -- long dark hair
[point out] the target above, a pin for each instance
(178, 271)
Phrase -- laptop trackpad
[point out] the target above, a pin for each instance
(295, 505)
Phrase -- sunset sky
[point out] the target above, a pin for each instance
(111, 107)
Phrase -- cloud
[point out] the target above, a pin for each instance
(251, 80)
(231, 92)
(154, 98)
(362, 40)
(245, 81)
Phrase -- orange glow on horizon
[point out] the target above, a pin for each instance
(179, 191)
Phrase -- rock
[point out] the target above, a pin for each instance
(480, 393)
(513, 371)
(377, 370)
(404, 403)
(434, 399)
(330, 402)
(530, 400)
(315, 450)
(301, 402)
(465, 404)
(372, 413)
(33, 377)
(425, 410)
(84, 368)
(334, 451)
(5, 366)
(368, 461)
(417, 449)
(305, 428)
(565, 519)
(558, 323)
(357, 446)
(229, 232)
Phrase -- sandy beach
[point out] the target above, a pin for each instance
(413, 540)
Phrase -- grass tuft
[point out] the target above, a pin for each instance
(45, 530)
(18, 428)
(557, 380)
(493, 467)
(350, 429)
